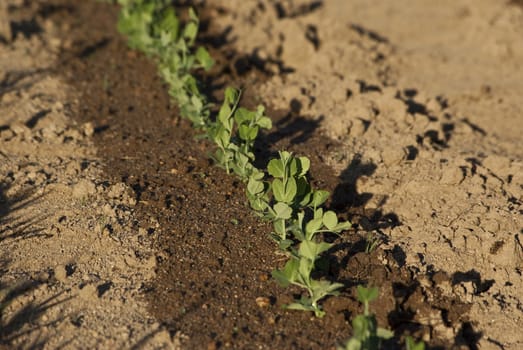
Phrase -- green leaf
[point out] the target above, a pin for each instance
(169, 23)
(412, 345)
(255, 186)
(319, 197)
(285, 156)
(247, 133)
(219, 156)
(342, 226)
(294, 167)
(278, 190)
(303, 186)
(330, 219)
(258, 204)
(324, 287)
(282, 210)
(204, 58)
(360, 327)
(224, 114)
(281, 278)
(366, 295)
(276, 168)
(265, 123)
(299, 306)
(197, 102)
(285, 244)
(383, 333)
(242, 161)
(312, 250)
(284, 192)
(288, 274)
(290, 190)
(190, 31)
(298, 234)
(257, 174)
(304, 270)
(279, 227)
(243, 116)
(305, 165)
(353, 344)
(231, 95)
(192, 15)
(312, 227)
(305, 200)
(223, 138)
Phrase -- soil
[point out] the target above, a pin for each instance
(119, 232)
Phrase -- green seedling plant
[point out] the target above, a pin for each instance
(291, 202)
(234, 133)
(178, 61)
(372, 241)
(136, 20)
(297, 271)
(153, 27)
(366, 333)
(295, 210)
(411, 344)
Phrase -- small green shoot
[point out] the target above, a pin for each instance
(153, 27)
(295, 209)
(372, 241)
(412, 345)
(234, 132)
(366, 333)
(297, 271)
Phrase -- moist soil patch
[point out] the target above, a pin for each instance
(214, 257)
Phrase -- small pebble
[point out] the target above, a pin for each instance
(263, 301)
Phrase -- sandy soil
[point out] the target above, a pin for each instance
(425, 96)
(71, 270)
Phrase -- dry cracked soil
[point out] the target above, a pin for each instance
(117, 231)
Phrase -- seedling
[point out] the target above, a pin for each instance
(153, 27)
(297, 219)
(298, 270)
(372, 241)
(234, 132)
(366, 333)
(412, 345)
(291, 203)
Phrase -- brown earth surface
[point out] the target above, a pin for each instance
(117, 231)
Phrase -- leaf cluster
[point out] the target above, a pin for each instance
(153, 27)
(366, 333)
(294, 207)
(234, 133)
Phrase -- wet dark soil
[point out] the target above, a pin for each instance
(214, 257)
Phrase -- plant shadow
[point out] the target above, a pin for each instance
(20, 80)
(24, 325)
(14, 223)
(26, 320)
(347, 198)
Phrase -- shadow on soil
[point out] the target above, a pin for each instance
(13, 225)
(20, 80)
(28, 319)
